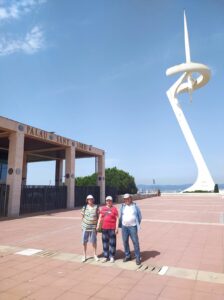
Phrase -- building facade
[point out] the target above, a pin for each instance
(21, 144)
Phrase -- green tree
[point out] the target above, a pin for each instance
(86, 181)
(119, 179)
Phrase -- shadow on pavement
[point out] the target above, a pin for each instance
(145, 255)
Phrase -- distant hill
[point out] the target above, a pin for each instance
(168, 188)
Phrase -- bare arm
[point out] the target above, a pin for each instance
(98, 223)
(82, 212)
(117, 223)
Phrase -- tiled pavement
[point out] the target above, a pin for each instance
(183, 232)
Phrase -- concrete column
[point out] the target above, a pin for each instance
(14, 175)
(58, 171)
(96, 164)
(101, 177)
(24, 171)
(69, 176)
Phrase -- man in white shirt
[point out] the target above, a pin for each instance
(130, 219)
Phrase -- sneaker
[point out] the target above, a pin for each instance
(111, 260)
(83, 259)
(126, 259)
(96, 258)
(138, 262)
(104, 259)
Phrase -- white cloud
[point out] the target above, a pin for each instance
(32, 42)
(17, 8)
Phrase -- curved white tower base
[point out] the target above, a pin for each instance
(186, 83)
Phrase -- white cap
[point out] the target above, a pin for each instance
(89, 197)
(126, 196)
(109, 198)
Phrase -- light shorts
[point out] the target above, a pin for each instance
(89, 236)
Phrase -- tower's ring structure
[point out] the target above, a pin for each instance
(190, 68)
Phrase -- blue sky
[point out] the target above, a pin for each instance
(94, 71)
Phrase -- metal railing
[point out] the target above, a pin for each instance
(111, 191)
(42, 198)
(81, 192)
(4, 195)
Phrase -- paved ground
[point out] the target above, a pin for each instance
(182, 246)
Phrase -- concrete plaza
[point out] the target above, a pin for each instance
(182, 246)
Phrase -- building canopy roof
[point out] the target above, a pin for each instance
(41, 145)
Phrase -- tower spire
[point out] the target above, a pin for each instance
(186, 40)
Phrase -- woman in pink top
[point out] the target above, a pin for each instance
(109, 220)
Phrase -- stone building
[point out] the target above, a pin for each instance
(21, 144)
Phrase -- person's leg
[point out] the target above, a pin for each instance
(94, 243)
(112, 244)
(84, 249)
(125, 238)
(105, 241)
(94, 252)
(135, 241)
(94, 248)
(84, 242)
